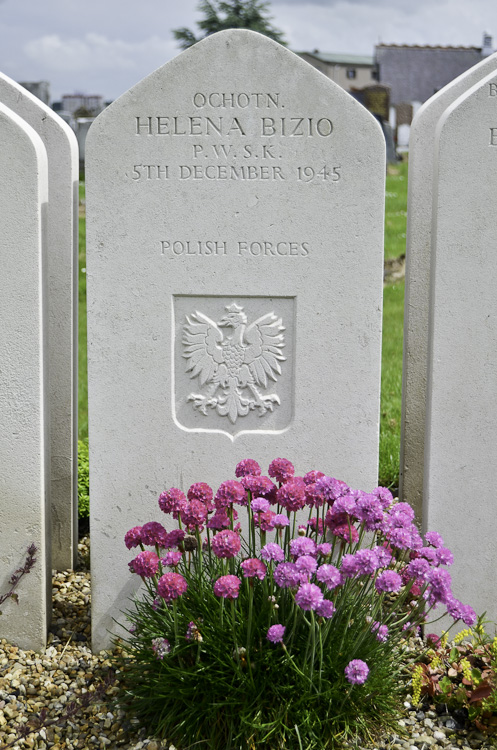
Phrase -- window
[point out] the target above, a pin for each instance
(351, 73)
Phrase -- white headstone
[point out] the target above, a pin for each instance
(62, 257)
(233, 188)
(418, 265)
(461, 452)
(24, 485)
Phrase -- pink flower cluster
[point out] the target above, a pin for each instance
(402, 562)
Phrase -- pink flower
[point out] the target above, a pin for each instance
(324, 549)
(325, 609)
(306, 564)
(388, 581)
(174, 538)
(348, 534)
(444, 556)
(226, 544)
(291, 495)
(313, 497)
(259, 486)
(253, 568)
(302, 545)
(132, 538)
(153, 533)
(265, 520)
(280, 521)
(330, 488)
(275, 633)
(221, 520)
(194, 514)
(313, 476)
(330, 576)
(201, 491)
(171, 586)
(433, 538)
(160, 647)
(260, 504)
(272, 551)
(227, 587)
(247, 466)
(309, 596)
(172, 501)
(357, 672)
(381, 631)
(286, 575)
(384, 496)
(172, 558)
(281, 469)
(229, 493)
(145, 564)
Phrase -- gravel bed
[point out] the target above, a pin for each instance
(69, 673)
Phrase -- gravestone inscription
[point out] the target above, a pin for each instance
(24, 450)
(418, 269)
(235, 214)
(62, 258)
(460, 472)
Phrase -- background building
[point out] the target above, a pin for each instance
(349, 71)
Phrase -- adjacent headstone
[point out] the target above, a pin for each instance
(235, 255)
(418, 265)
(24, 473)
(461, 453)
(62, 257)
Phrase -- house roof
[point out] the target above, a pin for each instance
(427, 46)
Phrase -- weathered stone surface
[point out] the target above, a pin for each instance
(460, 471)
(418, 266)
(62, 258)
(24, 485)
(235, 192)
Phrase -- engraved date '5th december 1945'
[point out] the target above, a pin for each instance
(237, 172)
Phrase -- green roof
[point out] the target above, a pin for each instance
(337, 58)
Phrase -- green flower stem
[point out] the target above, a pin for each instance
(175, 617)
(312, 631)
(199, 550)
(250, 592)
(292, 661)
(209, 546)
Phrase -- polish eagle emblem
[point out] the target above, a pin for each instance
(235, 366)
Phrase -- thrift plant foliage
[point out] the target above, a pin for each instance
(291, 636)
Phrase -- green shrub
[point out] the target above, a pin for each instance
(83, 479)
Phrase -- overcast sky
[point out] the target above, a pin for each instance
(106, 46)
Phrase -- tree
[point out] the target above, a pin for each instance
(230, 14)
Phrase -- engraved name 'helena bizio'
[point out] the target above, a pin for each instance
(203, 125)
(282, 249)
(234, 366)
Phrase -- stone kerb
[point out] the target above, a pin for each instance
(62, 257)
(234, 196)
(24, 450)
(460, 462)
(418, 266)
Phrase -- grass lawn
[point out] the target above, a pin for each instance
(393, 312)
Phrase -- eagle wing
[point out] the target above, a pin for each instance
(201, 339)
(265, 341)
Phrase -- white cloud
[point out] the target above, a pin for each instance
(96, 52)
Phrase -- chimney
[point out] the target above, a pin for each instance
(487, 45)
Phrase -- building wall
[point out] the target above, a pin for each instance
(416, 73)
(347, 75)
